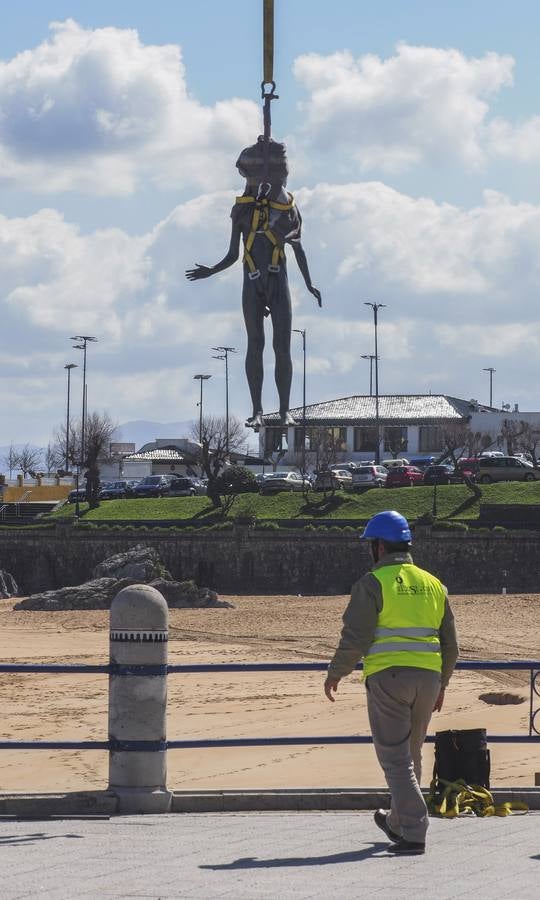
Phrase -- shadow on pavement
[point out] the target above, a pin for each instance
(32, 838)
(251, 862)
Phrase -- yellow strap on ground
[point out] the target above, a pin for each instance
(268, 39)
(459, 799)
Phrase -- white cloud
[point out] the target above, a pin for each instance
(422, 104)
(96, 110)
(460, 288)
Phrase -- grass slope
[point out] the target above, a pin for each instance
(453, 501)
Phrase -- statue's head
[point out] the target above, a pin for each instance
(251, 161)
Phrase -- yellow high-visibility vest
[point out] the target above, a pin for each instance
(407, 632)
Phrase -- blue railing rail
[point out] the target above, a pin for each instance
(533, 666)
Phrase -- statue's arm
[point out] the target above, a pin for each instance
(228, 260)
(301, 259)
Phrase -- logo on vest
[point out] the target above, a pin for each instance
(410, 589)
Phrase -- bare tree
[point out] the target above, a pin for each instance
(98, 433)
(53, 458)
(324, 448)
(511, 431)
(72, 449)
(529, 439)
(29, 459)
(10, 459)
(215, 442)
(459, 439)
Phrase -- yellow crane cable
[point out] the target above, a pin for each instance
(268, 40)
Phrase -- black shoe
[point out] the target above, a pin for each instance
(380, 822)
(407, 848)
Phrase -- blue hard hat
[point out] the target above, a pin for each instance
(389, 526)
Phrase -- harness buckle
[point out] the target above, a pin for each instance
(272, 268)
(254, 275)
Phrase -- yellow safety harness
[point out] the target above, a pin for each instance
(260, 224)
(460, 799)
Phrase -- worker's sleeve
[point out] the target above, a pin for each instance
(359, 623)
(449, 644)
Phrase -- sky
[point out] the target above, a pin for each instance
(413, 136)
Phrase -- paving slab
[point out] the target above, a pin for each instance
(265, 856)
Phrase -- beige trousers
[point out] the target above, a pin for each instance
(400, 703)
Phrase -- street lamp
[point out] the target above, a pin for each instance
(201, 378)
(371, 357)
(224, 354)
(69, 367)
(491, 370)
(376, 307)
(302, 331)
(85, 339)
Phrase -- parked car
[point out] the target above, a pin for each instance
(505, 468)
(181, 485)
(404, 476)
(440, 475)
(369, 476)
(422, 462)
(332, 480)
(284, 481)
(348, 466)
(152, 486)
(393, 463)
(113, 490)
(468, 465)
(72, 496)
(131, 484)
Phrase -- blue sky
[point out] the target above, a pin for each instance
(413, 132)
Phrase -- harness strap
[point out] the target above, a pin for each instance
(460, 799)
(260, 222)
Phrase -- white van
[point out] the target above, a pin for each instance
(393, 463)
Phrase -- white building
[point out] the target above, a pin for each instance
(414, 423)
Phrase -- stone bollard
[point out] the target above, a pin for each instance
(138, 700)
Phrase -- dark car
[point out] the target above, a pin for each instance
(152, 486)
(181, 486)
(404, 476)
(113, 490)
(72, 496)
(440, 475)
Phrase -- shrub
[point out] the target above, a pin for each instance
(268, 526)
(450, 526)
(236, 480)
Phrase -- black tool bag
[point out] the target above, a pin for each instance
(461, 756)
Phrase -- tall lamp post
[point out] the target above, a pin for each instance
(302, 331)
(224, 354)
(201, 378)
(491, 370)
(69, 367)
(371, 357)
(85, 339)
(376, 307)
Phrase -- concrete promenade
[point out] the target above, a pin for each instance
(271, 856)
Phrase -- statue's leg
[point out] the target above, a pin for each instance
(281, 312)
(253, 308)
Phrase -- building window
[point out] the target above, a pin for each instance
(395, 439)
(365, 439)
(430, 438)
(320, 436)
(275, 439)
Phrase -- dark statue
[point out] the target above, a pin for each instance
(266, 218)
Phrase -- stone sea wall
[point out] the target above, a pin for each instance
(247, 561)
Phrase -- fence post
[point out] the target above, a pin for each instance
(138, 700)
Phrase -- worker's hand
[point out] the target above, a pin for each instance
(439, 701)
(316, 293)
(331, 685)
(199, 272)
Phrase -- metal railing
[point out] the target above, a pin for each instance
(532, 666)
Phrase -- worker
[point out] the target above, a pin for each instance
(400, 622)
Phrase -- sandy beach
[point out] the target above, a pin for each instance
(280, 629)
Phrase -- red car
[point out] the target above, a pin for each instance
(404, 476)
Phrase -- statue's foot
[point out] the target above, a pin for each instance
(255, 421)
(285, 418)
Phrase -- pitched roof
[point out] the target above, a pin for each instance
(414, 408)
(162, 455)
